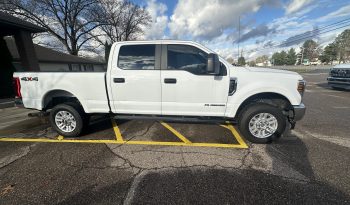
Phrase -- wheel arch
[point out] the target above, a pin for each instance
(272, 98)
(57, 96)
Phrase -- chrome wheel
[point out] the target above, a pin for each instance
(263, 125)
(65, 121)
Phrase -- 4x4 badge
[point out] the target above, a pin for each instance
(29, 78)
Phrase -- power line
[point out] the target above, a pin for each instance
(310, 35)
(299, 39)
(344, 20)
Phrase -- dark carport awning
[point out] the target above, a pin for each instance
(21, 30)
(10, 25)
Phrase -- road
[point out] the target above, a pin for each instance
(310, 165)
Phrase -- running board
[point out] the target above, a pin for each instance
(175, 118)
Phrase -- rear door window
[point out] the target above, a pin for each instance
(137, 57)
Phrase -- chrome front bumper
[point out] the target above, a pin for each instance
(299, 111)
(339, 82)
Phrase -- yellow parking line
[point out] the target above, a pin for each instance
(123, 142)
(117, 131)
(119, 139)
(236, 135)
(225, 126)
(175, 132)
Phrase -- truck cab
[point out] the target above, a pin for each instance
(167, 79)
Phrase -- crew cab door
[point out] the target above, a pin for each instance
(187, 88)
(135, 79)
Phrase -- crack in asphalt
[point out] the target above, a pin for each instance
(139, 135)
(84, 166)
(244, 158)
(182, 156)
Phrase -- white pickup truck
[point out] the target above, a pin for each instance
(167, 80)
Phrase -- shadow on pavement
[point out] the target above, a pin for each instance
(291, 151)
(219, 186)
(112, 194)
(242, 186)
(26, 126)
(328, 87)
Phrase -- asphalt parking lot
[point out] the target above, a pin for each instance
(150, 162)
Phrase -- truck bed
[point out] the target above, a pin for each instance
(88, 87)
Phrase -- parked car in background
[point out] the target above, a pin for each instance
(339, 76)
(315, 63)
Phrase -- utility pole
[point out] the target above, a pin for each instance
(302, 55)
(239, 34)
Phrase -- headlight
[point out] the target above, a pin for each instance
(301, 87)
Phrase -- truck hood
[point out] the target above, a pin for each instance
(269, 70)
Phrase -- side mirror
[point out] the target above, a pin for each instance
(213, 65)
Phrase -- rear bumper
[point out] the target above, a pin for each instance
(19, 103)
(299, 111)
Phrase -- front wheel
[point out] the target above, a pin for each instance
(67, 120)
(262, 123)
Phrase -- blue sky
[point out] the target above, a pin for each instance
(265, 24)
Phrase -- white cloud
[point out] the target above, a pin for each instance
(156, 30)
(296, 5)
(206, 19)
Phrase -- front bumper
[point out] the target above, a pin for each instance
(299, 111)
(339, 82)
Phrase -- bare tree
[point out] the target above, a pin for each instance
(134, 18)
(71, 22)
(122, 21)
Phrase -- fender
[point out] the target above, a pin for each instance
(82, 102)
(243, 94)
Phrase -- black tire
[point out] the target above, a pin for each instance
(254, 109)
(76, 112)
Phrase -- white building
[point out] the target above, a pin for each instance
(267, 63)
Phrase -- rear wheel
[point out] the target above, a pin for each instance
(262, 123)
(67, 120)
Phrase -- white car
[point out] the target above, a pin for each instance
(168, 80)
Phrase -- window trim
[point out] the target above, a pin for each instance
(157, 56)
(164, 61)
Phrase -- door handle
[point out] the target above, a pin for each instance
(119, 80)
(170, 80)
